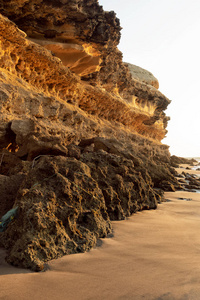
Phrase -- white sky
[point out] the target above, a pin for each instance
(163, 36)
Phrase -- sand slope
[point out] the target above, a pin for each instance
(153, 255)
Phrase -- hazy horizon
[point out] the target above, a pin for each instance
(162, 37)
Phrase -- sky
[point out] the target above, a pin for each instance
(163, 37)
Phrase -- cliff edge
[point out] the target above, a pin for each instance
(80, 133)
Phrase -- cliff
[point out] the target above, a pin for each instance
(80, 133)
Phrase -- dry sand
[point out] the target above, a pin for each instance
(153, 255)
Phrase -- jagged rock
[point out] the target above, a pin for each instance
(85, 37)
(62, 209)
(55, 90)
(180, 176)
(195, 182)
(182, 181)
(167, 186)
(65, 204)
(175, 161)
(80, 138)
(190, 182)
(72, 30)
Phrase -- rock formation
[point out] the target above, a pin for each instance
(143, 75)
(80, 135)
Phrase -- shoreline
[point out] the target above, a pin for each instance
(154, 254)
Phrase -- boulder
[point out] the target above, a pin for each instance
(143, 75)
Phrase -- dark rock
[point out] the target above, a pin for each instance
(185, 199)
(175, 161)
(180, 176)
(183, 181)
(65, 204)
(74, 151)
(62, 209)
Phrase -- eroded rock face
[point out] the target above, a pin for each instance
(85, 37)
(70, 29)
(65, 203)
(175, 161)
(80, 138)
(62, 209)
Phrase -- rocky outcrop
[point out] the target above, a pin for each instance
(175, 161)
(75, 31)
(66, 203)
(80, 136)
(85, 37)
(143, 75)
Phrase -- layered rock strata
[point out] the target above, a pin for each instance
(85, 37)
(80, 137)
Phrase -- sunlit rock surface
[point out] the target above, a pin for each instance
(80, 135)
(85, 38)
(143, 75)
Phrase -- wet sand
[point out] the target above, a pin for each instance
(152, 255)
(182, 168)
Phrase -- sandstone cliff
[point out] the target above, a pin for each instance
(80, 135)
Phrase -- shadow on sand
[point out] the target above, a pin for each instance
(6, 269)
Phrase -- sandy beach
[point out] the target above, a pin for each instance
(153, 255)
(84, 140)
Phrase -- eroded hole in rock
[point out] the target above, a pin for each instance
(82, 59)
(8, 158)
(10, 140)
